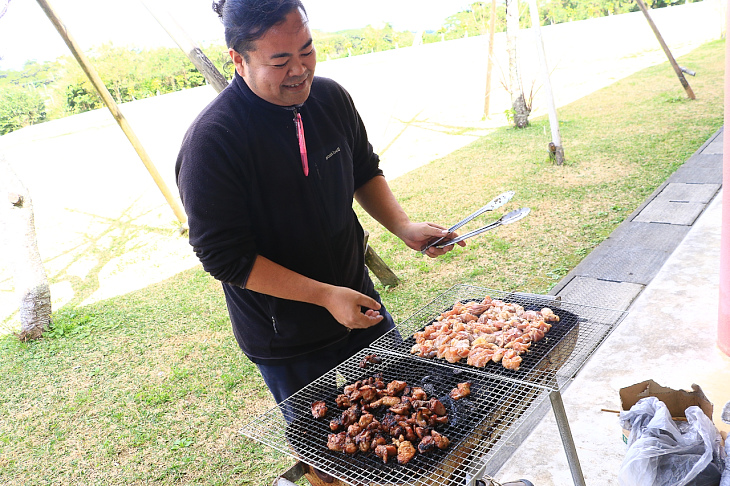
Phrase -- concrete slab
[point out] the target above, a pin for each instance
(669, 212)
(600, 293)
(622, 264)
(649, 236)
(688, 193)
(704, 161)
(697, 175)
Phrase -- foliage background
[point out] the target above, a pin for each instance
(55, 89)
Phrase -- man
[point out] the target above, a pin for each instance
(267, 174)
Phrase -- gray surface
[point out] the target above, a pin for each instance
(666, 276)
(669, 212)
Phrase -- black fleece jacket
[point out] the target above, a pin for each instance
(241, 181)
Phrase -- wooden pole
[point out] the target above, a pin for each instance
(677, 69)
(188, 46)
(492, 24)
(556, 146)
(113, 108)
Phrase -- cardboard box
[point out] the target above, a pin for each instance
(677, 401)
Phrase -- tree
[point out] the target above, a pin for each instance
(520, 106)
(29, 276)
(20, 107)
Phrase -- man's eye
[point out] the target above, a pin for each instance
(308, 53)
(279, 65)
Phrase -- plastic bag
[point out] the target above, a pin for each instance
(662, 452)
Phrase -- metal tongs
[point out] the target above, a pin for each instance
(508, 218)
(495, 203)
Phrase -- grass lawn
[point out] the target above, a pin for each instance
(151, 388)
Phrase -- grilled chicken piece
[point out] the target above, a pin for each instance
(386, 451)
(462, 390)
(366, 419)
(437, 407)
(350, 446)
(418, 393)
(336, 442)
(442, 442)
(343, 401)
(387, 401)
(368, 393)
(336, 424)
(350, 416)
(319, 409)
(395, 387)
(402, 408)
(406, 451)
(426, 445)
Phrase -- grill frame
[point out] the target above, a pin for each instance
(522, 393)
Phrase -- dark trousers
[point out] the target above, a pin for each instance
(286, 379)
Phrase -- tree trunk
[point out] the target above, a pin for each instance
(29, 276)
(519, 105)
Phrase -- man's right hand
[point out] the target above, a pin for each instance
(346, 306)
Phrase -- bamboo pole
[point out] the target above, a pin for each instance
(492, 24)
(188, 46)
(556, 146)
(113, 108)
(677, 69)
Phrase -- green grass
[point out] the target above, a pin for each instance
(151, 388)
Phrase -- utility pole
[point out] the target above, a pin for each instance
(556, 146)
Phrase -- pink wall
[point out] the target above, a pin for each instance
(723, 322)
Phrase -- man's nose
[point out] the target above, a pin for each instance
(297, 69)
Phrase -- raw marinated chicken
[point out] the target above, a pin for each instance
(462, 390)
(483, 332)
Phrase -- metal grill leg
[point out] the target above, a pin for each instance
(567, 438)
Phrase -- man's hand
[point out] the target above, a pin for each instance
(418, 235)
(346, 305)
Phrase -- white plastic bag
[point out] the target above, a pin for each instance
(662, 453)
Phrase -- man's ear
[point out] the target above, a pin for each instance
(238, 61)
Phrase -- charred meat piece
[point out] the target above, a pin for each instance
(368, 393)
(418, 393)
(370, 358)
(350, 416)
(319, 409)
(343, 401)
(462, 390)
(402, 408)
(395, 387)
(406, 451)
(336, 424)
(336, 442)
(350, 446)
(437, 407)
(365, 419)
(442, 442)
(386, 401)
(386, 451)
(426, 445)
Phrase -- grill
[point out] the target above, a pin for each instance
(480, 426)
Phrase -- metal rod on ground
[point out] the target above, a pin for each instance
(674, 64)
(114, 109)
(492, 22)
(552, 112)
(567, 438)
(194, 53)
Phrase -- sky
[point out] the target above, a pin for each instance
(26, 33)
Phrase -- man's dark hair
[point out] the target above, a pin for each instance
(246, 21)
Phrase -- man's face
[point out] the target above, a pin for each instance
(281, 68)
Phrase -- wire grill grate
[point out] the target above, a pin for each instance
(479, 425)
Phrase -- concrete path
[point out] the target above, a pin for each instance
(662, 265)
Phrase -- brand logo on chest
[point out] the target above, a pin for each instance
(329, 156)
